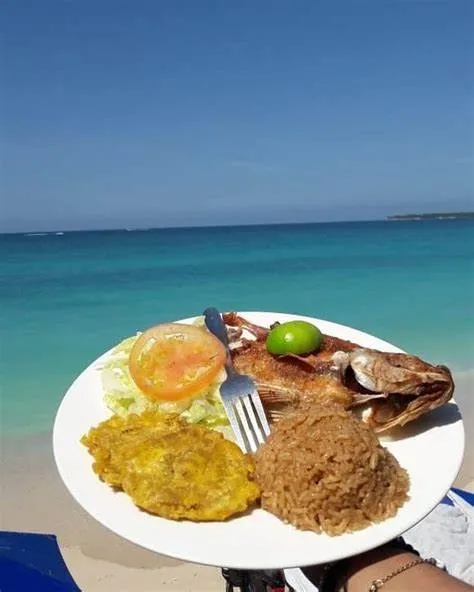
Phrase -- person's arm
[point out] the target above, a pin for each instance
(364, 569)
(357, 574)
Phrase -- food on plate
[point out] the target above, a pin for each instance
(394, 388)
(171, 468)
(398, 387)
(284, 382)
(174, 361)
(113, 442)
(321, 469)
(324, 470)
(388, 389)
(123, 396)
(293, 337)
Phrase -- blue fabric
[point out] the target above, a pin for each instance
(33, 562)
(466, 495)
(17, 577)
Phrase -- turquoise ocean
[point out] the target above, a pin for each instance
(66, 298)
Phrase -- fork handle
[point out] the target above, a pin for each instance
(215, 324)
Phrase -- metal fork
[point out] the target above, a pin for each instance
(239, 394)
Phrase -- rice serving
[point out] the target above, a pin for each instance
(322, 469)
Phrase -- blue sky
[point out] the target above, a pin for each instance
(125, 113)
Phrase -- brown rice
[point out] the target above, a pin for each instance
(322, 469)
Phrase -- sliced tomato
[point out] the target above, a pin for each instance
(174, 361)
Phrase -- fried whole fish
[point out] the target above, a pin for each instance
(173, 469)
(283, 382)
(395, 388)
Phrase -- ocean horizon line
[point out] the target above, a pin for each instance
(187, 227)
(388, 219)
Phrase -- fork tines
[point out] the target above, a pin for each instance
(248, 420)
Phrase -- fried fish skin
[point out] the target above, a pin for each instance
(173, 469)
(287, 381)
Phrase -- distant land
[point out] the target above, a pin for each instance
(435, 216)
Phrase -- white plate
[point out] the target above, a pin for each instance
(432, 453)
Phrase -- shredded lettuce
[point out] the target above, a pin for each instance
(123, 397)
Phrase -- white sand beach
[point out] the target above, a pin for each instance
(35, 500)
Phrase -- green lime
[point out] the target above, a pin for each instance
(294, 337)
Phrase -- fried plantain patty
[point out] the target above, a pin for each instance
(117, 439)
(173, 469)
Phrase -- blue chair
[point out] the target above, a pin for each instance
(33, 562)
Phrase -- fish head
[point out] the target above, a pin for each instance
(400, 387)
